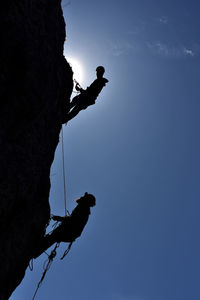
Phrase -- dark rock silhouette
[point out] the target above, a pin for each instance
(35, 87)
(87, 97)
(71, 226)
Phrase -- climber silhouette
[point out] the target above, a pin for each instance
(71, 226)
(87, 97)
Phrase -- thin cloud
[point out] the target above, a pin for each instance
(121, 48)
(163, 20)
(159, 48)
(65, 4)
(137, 29)
(188, 52)
(170, 51)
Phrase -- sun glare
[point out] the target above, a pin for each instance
(77, 69)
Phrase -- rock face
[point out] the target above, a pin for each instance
(35, 89)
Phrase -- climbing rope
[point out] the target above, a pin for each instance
(31, 264)
(46, 268)
(67, 251)
(47, 264)
(63, 168)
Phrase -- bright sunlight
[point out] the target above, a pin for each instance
(77, 69)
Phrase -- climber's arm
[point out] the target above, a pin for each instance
(79, 88)
(57, 218)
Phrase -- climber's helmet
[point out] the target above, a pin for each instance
(100, 71)
(87, 199)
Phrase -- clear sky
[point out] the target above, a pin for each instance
(137, 150)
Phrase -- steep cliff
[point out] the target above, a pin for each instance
(35, 88)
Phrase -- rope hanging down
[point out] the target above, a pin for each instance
(67, 251)
(65, 194)
(53, 252)
(63, 168)
(46, 268)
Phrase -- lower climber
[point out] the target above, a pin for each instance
(71, 226)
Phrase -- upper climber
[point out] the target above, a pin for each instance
(87, 97)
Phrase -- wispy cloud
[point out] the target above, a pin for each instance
(170, 51)
(121, 48)
(163, 19)
(138, 28)
(65, 4)
(188, 52)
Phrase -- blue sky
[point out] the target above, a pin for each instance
(137, 150)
